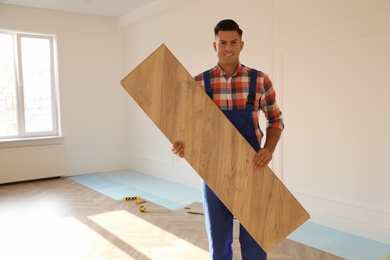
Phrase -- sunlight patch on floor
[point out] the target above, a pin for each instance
(52, 238)
(137, 233)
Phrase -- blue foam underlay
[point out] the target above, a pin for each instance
(339, 243)
(121, 184)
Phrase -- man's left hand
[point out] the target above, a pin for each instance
(262, 158)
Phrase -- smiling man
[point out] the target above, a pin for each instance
(228, 45)
(240, 92)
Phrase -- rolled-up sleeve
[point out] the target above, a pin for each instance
(269, 105)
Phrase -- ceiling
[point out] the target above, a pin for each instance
(110, 8)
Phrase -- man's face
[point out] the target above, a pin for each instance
(228, 46)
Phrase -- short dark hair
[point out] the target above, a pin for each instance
(227, 25)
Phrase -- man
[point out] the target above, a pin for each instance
(240, 92)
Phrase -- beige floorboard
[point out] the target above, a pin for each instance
(62, 219)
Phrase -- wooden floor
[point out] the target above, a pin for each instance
(62, 219)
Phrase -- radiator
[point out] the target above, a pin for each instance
(30, 163)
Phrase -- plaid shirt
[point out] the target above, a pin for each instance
(232, 94)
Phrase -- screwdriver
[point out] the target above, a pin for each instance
(143, 209)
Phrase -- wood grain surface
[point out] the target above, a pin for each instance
(169, 95)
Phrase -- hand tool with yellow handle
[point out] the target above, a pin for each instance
(143, 209)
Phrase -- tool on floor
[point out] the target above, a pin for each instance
(140, 201)
(143, 209)
(131, 198)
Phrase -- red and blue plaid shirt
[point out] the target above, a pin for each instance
(232, 94)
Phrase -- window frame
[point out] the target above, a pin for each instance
(22, 134)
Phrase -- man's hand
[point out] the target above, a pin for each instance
(262, 158)
(178, 148)
(264, 155)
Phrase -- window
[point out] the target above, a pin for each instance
(28, 86)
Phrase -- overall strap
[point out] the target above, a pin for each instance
(207, 84)
(252, 87)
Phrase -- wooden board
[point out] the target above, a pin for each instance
(214, 148)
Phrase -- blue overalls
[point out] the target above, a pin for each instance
(218, 219)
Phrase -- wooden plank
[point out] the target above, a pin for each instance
(214, 148)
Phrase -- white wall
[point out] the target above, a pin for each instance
(329, 62)
(91, 65)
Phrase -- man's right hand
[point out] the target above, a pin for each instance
(178, 148)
